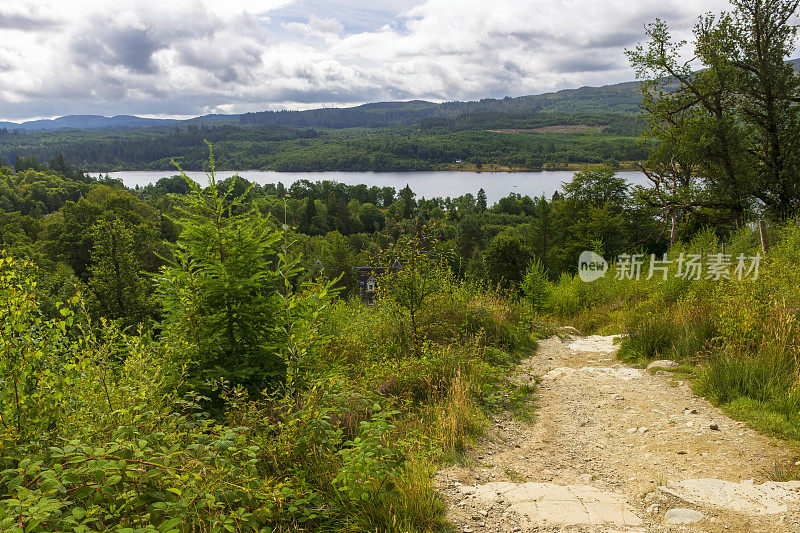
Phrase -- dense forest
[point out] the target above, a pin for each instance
(212, 356)
(549, 131)
(521, 141)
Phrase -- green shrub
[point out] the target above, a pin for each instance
(678, 334)
(535, 286)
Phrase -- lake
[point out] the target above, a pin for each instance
(426, 184)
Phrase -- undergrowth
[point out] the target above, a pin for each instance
(100, 439)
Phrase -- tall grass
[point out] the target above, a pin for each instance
(681, 334)
(769, 375)
(435, 393)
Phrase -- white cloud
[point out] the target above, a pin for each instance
(187, 57)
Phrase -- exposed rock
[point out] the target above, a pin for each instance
(767, 498)
(567, 330)
(663, 364)
(594, 343)
(565, 505)
(682, 516)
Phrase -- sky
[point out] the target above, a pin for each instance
(181, 58)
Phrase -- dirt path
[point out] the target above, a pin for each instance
(617, 449)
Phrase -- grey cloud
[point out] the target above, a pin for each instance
(26, 23)
(226, 65)
(112, 66)
(340, 95)
(355, 17)
(132, 48)
(583, 63)
(615, 39)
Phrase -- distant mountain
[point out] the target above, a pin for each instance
(617, 99)
(621, 99)
(92, 122)
(86, 122)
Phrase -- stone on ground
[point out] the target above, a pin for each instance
(764, 499)
(682, 516)
(662, 364)
(594, 343)
(563, 505)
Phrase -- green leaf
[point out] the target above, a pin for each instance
(169, 525)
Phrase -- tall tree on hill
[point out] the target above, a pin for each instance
(730, 116)
(59, 164)
(309, 213)
(692, 117)
(481, 200)
(409, 204)
(769, 87)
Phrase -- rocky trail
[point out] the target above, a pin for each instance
(615, 448)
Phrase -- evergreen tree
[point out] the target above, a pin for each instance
(59, 164)
(542, 234)
(220, 292)
(482, 200)
(409, 204)
(535, 285)
(309, 213)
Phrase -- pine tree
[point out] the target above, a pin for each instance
(220, 292)
(409, 204)
(309, 213)
(482, 200)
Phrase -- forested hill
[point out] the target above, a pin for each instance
(621, 98)
(91, 122)
(551, 131)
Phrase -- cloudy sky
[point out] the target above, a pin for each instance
(190, 57)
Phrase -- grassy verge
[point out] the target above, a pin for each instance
(438, 395)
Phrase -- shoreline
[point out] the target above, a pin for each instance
(627, 166)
